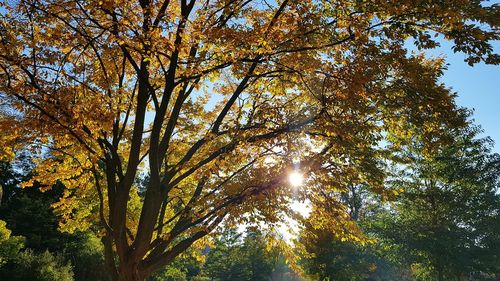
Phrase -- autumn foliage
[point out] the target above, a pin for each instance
(213, 103)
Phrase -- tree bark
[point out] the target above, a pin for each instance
(440, 274)
(130, 272)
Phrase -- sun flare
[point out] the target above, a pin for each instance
(295, 178)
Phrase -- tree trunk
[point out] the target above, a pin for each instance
(125, 271)
(130, 272)
(440, 274)
(109, 258)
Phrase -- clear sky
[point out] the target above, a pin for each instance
(478, 87)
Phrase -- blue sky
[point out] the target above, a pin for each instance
(478, 87)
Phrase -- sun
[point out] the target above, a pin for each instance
(295, 178)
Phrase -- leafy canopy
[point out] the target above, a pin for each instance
(216, 101)
(446, 221)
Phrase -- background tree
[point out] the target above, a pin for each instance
(326, 256)
(439, 225)
(38, 267)
(86, 254)
(237, 258)
(446, 221)
(28, 213)
(187, 266)
(29, 216)
(216, 100)
(9, 245)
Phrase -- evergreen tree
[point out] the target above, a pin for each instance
(325, 256)
(240, 258)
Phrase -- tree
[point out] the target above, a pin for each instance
(37, 267)
(237, 258)
(9, 245)
(29, 215)
(85, 253)
(217, 101)
(25, 265)
(227, 261)
(326, 256)
(187, 266)
(446, 222)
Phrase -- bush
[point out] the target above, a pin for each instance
(200, 278)
(9, 245)
(36, 267)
